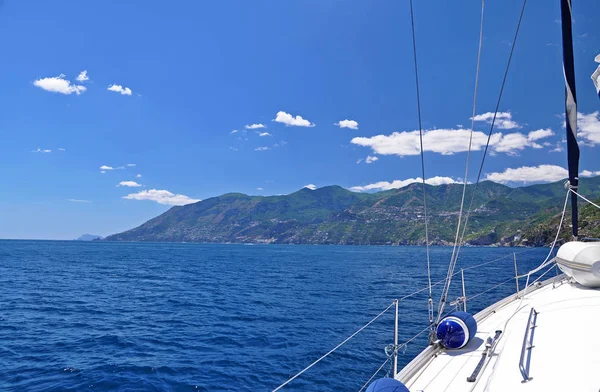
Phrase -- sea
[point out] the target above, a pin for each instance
(102, 316)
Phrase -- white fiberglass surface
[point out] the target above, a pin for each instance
(565, 349)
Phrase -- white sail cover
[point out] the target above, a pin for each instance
(596, 76)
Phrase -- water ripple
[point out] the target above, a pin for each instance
(189, 317)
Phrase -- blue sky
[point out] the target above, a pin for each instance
(166, 83)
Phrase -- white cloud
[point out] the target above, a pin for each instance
(559, 146)
(439, 180)
(503, 120)
(347, 124)
(589, 127)
(131, 165)
(371, 159)
(540, 134)
(312, 187)
(102, 171)
(61, 149)
(449, 141)
(541, 173)
(359, 161)
(58, 84)
(107, 168)
(385, 185)
(138, 176)
(289, 120)
(161, 197)
(255, 126)
(119, 89)
(511, 143)
(132, 184)
(82, 77)
(587, 173)
(264, 134)
(42, 151)
(443, 141)
(234, 131)
(78, 200)
(262, 148)
(259, 189)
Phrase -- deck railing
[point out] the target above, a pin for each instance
(392, 350)
(528, 345)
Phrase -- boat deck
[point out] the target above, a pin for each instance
(564, 357)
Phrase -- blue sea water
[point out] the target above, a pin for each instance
(187, 317)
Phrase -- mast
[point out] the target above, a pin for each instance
(570, 107)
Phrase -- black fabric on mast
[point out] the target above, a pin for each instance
(570, 106)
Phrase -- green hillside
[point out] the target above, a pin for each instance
(333, 215)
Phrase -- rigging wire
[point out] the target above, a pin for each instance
(403, 345)
(548, 260)
(374, 374)
(591, 202)
(335, 348)
(512, 49)
(414, 42)
(544, 264)
(453, 258)
(511, 279)
(458, 244)
(492, 124)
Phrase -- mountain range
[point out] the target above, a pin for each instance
(500, 215)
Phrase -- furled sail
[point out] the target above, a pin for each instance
(570, 106)
(596, 76)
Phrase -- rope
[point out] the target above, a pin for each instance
(512, 49)
(430, 300)
(423, 289)
(374, 374)
(396, 349)
(491, 288)
(486, 263)
(544, 264)
(456, 273)
(518, 307)
(547, 260)
(493, 261)
(541, 276)
(591, 202)
(335, 348)
(462, 201)
(413, 338)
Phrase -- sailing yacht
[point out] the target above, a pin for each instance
(541, 338)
